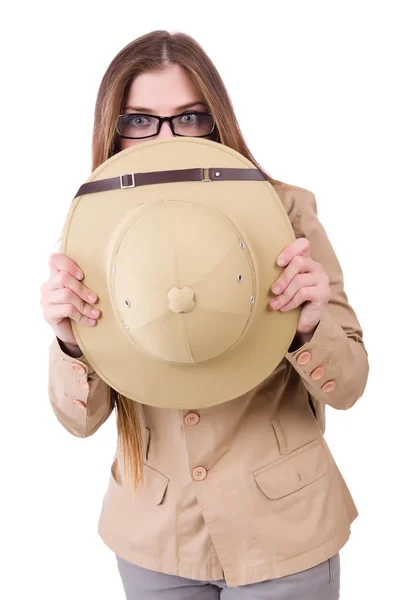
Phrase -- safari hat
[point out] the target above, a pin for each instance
(179, 239)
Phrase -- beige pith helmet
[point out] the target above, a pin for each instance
(179, 238)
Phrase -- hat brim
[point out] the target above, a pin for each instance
(262, 219)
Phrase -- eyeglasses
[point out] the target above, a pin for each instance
(136, 126)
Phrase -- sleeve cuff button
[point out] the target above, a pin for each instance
(317, 373)
(79, 403)
(328, 386)
(303, 358)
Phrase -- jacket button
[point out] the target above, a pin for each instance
(79, 403)
(317, 373)
(303, 358)
(199, 473)
(78, 368)
(192, 418)
(328, 386)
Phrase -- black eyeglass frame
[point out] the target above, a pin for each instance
(161, 121)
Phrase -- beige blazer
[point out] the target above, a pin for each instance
(247, 490)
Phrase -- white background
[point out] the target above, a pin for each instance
(312, 86)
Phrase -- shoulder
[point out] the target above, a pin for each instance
(296, 200)
(291, 194)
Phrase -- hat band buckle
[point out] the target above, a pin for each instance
(130, 180)
(205, 174)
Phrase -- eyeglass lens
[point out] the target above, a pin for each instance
(190, 124)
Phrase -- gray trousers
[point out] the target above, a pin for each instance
(321, 582)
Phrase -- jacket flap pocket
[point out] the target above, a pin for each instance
(293, 471)
(155, 484)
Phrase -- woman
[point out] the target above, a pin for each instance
(223, 512)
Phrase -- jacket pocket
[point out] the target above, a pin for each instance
(155, 485)
(293, 471)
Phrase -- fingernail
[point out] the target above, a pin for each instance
(91, 321)
(274, 303)
(79, 275)
(280, 261)
(84, 384)
(91, 298)
(94, 312)
(276, 289)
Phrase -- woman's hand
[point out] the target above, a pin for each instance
(303, 281)
(63, 296)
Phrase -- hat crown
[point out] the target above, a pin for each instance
(181, 281)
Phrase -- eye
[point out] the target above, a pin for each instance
(188, 119)
(138, 121)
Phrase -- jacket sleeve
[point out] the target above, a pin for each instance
(337, 342)
(80, 399)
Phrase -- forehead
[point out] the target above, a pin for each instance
(163, 91)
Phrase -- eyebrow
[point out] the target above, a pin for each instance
(177, 109)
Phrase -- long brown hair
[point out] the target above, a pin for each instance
(151, 51)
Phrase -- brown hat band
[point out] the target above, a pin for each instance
(129, 180)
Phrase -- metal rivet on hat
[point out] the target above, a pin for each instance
(125, 325)
(127, 302)
(252, 299)
(240, 278)
(217, 174)
(242, 245)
